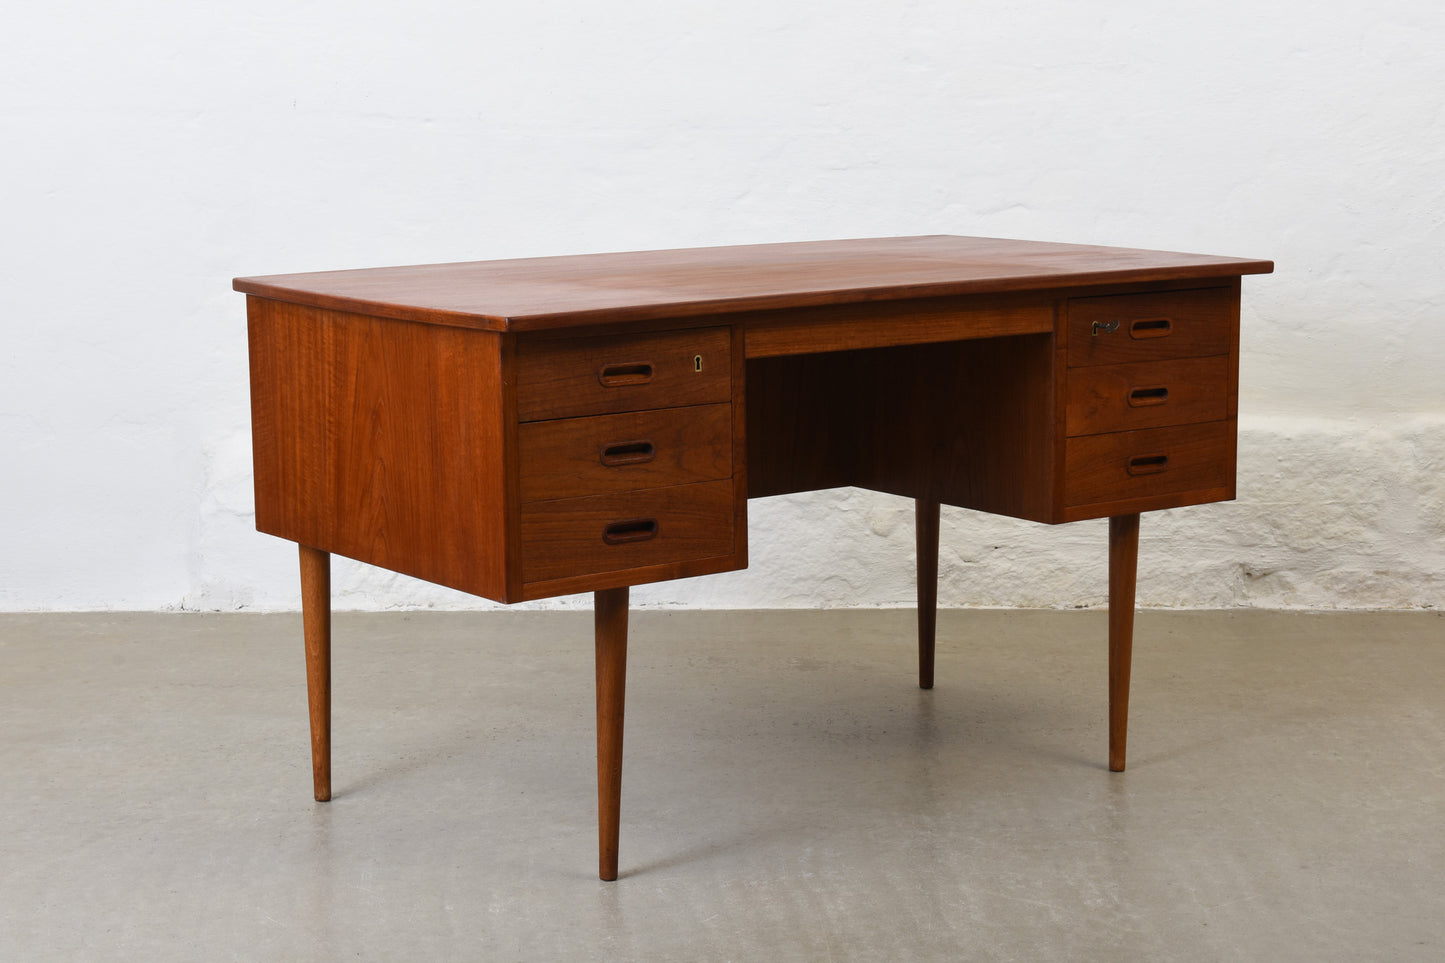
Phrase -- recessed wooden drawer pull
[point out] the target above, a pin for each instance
(628, 453)
(1148, 464)
(1150, 328)
(630, 530)
(1140, 397)
(1153, 326)
(633, 373)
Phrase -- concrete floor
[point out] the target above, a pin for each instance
(789, 794)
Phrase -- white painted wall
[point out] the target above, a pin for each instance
(151, 151)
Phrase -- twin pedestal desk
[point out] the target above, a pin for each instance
(530, 428)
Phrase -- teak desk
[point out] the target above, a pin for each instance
(530, 428)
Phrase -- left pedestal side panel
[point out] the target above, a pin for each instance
(385, 441)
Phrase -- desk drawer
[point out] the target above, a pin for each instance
(569, 457)
(1149, 327)
(1151, 394)
(594, 376)
(1155, 461)
(608, 533)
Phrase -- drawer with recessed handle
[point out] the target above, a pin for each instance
(570, 457)
(597, 534)
(594, 376)
(1126, 465)
(1148, 394)
(1118, 329)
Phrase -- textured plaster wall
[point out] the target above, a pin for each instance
(154, 150)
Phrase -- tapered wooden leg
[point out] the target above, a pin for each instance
(609, 613)
(1123, 569)
(316, 620)
(926, 531)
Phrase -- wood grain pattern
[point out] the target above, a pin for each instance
(571, 457)
(573, 292)
(966, 423)
(1151, 394)
(1199, 323)
(638, 575)
(799, 432)
(849, 327)
(1097, 467)
(1146, 503)
(383, 441)
(564, 537)
(564, 379)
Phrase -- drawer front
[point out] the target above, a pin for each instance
(608, 533)
(1155, 461)
(1146, 327)
(1151, 394)
(595, 376)
(570, 457)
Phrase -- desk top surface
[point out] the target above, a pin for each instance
(560, 292)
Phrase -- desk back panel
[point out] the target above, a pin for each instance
(802, 423)
(967, 423)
